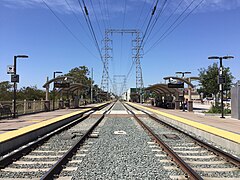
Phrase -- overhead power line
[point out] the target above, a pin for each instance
(156, 19)
(172, 27)
(76, 17)
(165, 22)
(99, 28)
(91, 29)
(67, 28)
(144, 35)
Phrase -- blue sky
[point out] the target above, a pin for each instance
(29, 27)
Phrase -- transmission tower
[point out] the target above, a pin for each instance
(106, 57)
(137, 54)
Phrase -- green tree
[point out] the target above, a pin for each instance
(209, 80)
(6, 91)
(31, 93)
(81, 75)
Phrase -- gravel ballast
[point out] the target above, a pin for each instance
(124, 156)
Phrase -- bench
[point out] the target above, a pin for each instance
(5, 111)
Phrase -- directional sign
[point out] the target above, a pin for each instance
(61, 85)
(175, 85)
(15, 78)
(10, 69)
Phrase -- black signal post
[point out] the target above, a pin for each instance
(15, 81)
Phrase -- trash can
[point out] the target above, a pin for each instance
(190, 106)
(177, 104)
(67, 103)
(61, 104)
(47, 105)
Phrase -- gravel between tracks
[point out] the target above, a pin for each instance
(126, 156)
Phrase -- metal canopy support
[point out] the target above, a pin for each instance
(137, 54)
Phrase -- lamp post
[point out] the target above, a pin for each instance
(183, 73)
(15, 82)
(221, 79)
(54, 76)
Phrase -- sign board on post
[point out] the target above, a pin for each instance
(10, 69)
(15, 78)
(61, 85)
(221, 79)
(175, 85)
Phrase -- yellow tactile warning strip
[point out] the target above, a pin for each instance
(12, 134)
(213, 130)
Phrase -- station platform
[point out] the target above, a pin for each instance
(27, 127)
(224, 132)
(10, 124)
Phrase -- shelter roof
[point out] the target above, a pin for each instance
(162, 89)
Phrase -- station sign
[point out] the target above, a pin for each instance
(61, 85)
(10, 69)
(15, 78)
(175, 85)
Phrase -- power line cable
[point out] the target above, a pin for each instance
(96, 19)
(86, 14)
(79, 22)
(156, 19)
(148, 14)
(139, 17)
(103, 19)
(105, 4)
(68, 29)
(184, 19)
(123, 26)
(142, 40)
(169, 30)
(166, 21)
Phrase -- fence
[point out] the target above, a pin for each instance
(29, 107)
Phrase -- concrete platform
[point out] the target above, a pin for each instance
(16, 132)
(224, 132)
(7, 125)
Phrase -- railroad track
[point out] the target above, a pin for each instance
(198, 159)
(46, 157)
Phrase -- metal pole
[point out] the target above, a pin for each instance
(53, 92)
(14, 87)
(92, 86)
(221, 87)
(183, 107)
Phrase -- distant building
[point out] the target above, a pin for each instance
(131, 95)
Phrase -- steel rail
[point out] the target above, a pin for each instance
(58, 166)
(227, 156)
(9, 159)
(178, 160)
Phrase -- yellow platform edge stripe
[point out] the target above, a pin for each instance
(213, 130)
(12, 134)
